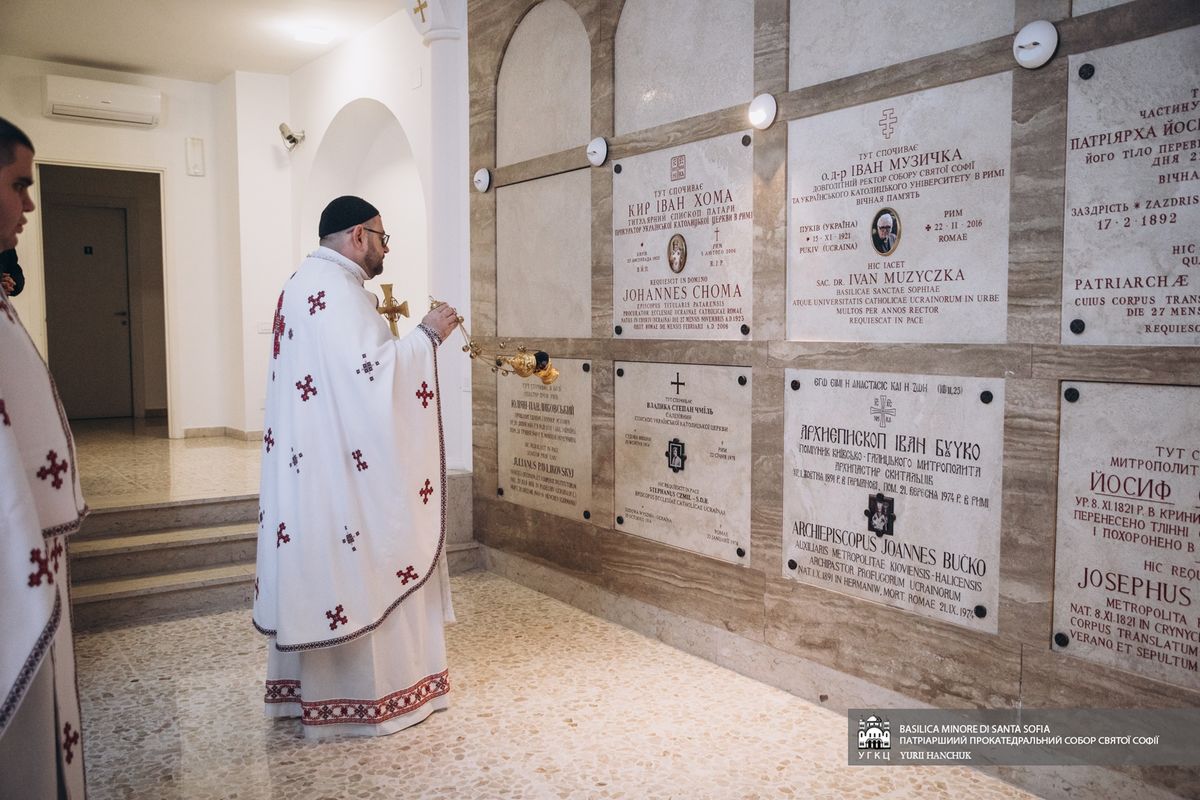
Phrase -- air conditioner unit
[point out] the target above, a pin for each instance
(100, 101)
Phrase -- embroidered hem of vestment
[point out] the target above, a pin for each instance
(359, 712)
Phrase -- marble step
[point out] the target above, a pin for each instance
(144, 598)
(116, 520)
(108, 557)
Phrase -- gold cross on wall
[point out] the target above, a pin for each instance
(419, 8)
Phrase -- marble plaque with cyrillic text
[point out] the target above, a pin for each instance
(683, 456)
(544, 440)
(898, 218)
(683, 240)
(1127, 551)
(892, 490)
(1131, 251)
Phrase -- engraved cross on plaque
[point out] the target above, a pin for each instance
(887, 122)
(677, 383)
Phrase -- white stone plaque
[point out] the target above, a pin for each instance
(683, 241)
(683, 457)
(1131, 252)
(544, 440)
(892, 488)
(1127, 563)
(898, 218)
(835, 38)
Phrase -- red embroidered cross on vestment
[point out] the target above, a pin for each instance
(306, 388)
(424, 395)
(55, 469)
(69, 741)
(316, 303)
(336, 618)
(47, 565)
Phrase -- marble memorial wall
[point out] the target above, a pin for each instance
(918, 544)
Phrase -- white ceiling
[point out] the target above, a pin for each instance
(198, 40)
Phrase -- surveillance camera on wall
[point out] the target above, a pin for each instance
(290, 138)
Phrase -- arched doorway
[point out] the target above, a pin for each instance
(366, 152)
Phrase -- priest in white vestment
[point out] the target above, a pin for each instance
(351, 584)
(41, 747)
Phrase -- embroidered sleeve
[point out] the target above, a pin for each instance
(431, 333)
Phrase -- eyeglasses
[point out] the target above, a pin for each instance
(383, 236)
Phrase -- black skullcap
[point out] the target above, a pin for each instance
(345, 212)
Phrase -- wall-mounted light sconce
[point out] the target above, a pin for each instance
(597, 151)
(482, 180)
(762, 111)
(1034, 44)
(290, 138)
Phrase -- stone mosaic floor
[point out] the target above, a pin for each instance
(547, 702)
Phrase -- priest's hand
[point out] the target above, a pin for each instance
(443, 320)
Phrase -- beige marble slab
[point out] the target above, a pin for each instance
(1131, 254)
(545, 79)
(892, 490)
(835, 38)
(1127, 568)
(545, 440)
(898, 218)
(1080, 7)
(544, 257)
(683, 456)
(681, 58)
(683, 241)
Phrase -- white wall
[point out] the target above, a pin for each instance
(264, 180)
(390, 64)
(201, 332)
(232, 237)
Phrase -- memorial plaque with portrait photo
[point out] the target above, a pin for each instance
(1131, 252)
(683, 456)
(898, 218)
(1127, 563)
(683, 238)
(544, 440)
(892, 489)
